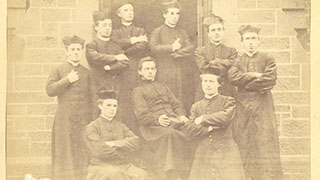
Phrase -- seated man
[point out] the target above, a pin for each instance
(109, 143)
(160, 114)
(217, 155)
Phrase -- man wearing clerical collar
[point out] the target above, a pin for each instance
(105, 58)
(160, 115)
(110, 142)
(217, 155)
(173, 50)
(254, 74)
(133, 42)
(70, 82)
(216, 55)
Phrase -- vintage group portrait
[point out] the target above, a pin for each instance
(158, 90)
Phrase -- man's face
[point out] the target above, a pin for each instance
(126, 13)
(104, 28)
(250, 41)
(109, 108)
(209, 83)
(216, 32)
(172, 16)
(74, 52)
(148, 70)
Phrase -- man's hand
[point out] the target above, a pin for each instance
(183, 119)
(256, 74)
(73, 76)
(142, 38)
(107, 68)
(122, 57)
(176, 45)
(164, 120)
(198, 120)
(110, 143)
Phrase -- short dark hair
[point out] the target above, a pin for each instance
(145, 59)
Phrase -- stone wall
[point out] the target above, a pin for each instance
(34, 46)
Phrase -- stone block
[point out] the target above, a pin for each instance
(68, 3)
(291, 98)
(287, 21)
(295, 165)
(36, 169)
(16, 48)
(55, 15)
(292, 4)
(14, 17)
(288, 70)
(83, 30)
(304, 176)
(30, 83)
(267, 29)
(295, 146)
(282, 108)
(16, 3)
(10, 76)
(42, 42)
(275, 43)
(28, 97)
(17, 134)
(46, 56)
(16, 109)
(292, 128)
(280, 56)
(30, 22)
(300, 111)
(18, 147)
(40, 136)
(43, 3)
(246, 4)
(29, 123)
(49, 28)
(299, 54)
(82, 15)
(285, 115)
(256, 16)
(287, 84)
(305, 77)
(49, 122)
(40, 149)
(41, 109)
(268, 4)
(27, 69)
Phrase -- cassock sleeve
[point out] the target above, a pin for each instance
(125, 43)
(184, 51)
(200, 58)
(130, 143)
(96, 58)
(237, 77)
(97, 146)
(268, 79)
(154, 45)
(176, 104)
(56, 85)
(221, 118)
(143, 115)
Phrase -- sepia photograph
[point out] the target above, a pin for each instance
(158, 90)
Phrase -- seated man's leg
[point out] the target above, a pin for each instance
(136, 173)
(106, 172)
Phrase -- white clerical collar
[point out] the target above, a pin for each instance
(172, 26)
(126, 23)
(103, 38)
(251, 54)
(106, 117)
(210, 97)
(73, 63)
(216, 43)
